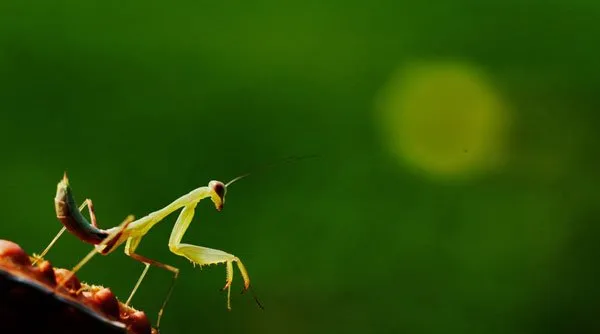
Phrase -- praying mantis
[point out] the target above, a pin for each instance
(132, 231)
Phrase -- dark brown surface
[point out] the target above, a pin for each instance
(32, 300)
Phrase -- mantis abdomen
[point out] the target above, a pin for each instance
(69, 215)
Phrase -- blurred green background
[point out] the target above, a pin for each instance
(455, 188)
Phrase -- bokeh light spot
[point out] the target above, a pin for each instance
(444, 119)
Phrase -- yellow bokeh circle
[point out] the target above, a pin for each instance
(444, 118)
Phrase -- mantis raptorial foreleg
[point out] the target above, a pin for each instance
(205, 256)
(202, 255)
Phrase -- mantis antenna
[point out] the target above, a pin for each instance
(236, 179)
(290, 159)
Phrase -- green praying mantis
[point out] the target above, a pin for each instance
(132, 231)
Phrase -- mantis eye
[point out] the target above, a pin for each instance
(218, 187)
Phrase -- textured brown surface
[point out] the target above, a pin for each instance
(31, 300)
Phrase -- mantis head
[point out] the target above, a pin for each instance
(217, 193)
(218, 190)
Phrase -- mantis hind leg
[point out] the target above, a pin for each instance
(130, 247)
(109, 242)
(90, 205)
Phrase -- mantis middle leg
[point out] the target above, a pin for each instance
(130, 248)
(109, 242)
